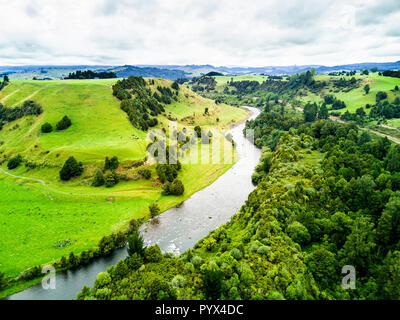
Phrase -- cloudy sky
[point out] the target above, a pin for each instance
(218, 32)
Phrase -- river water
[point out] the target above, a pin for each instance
(179, 228)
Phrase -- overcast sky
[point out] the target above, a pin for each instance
(218, 32)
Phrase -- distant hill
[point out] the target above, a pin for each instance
(173, 72)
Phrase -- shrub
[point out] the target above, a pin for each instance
(111, 179)
(174, 188)
(111, 164)
(98, 179)
(47, 128)
(236, 253)
(103, 279)
(64, 123)
(298, 233)
(153, 254)
(14, 162)
(145, 173)
(154, 209)
(71, 169)
(135, 244)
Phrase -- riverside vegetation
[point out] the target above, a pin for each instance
(328, 195)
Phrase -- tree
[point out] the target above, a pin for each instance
(323, 112)
(175, 187)
(135, 244)
(14, 162)
(154, 209)
(206, 110)
(153, 254)
(98, 179)
(71, 169)
(298, 233)
(212, 284)
(111, 179)
(364, 138)
(357, 249)
(111, 164)
(381, 95)
(6, 79)
(47, 128)
(64, 123)
(366, 88)
(310, 112)
(393, 159)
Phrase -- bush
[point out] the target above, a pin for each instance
(145, 173)
(154, 209)
(153, 254)
(71, 169)
(111, 179)
(63, 124)
(111, 164)
(298, 233)
(98, 179)
(47, 128)
(14, 162)
(175, 188)
(236, 253)
(135, 244)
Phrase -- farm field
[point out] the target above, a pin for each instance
(37, 217)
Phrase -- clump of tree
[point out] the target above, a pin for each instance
(111, 164)
(174, 188)
(14, 162)
(47, 128)
(138, 102)
(28, 108)
(5, 82)
(63, 124)
(71, 169)
(111, 179)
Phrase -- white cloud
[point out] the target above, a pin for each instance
(219, 32)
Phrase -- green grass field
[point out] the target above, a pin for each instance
(34, 217)
(357, 98)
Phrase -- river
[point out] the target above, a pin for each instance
(179, 228)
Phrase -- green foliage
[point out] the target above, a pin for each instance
(111, 179)
(63, 124)
(154, 210)
(174, 188)
(47, 128)
(14, 162)
(135, 245)
(145, 173)
(71, 169)
(98, 179)
(298, 233)
(28, 108)
(153, 254)
(111, 164)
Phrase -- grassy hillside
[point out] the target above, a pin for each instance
(356, 98)
(36, 217)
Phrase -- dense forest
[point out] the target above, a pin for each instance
(89, 74)
(139, 103)
(327, 196)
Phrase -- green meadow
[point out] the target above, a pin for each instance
(35, 218)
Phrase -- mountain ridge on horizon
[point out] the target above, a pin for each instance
(174, 71)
